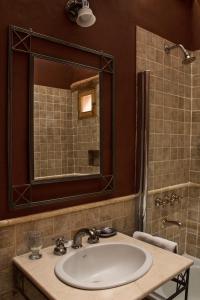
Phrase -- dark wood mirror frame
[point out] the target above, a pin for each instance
(24, 192)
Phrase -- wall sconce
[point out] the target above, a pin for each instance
(79, 11)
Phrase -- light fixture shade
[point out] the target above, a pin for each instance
(85, 17)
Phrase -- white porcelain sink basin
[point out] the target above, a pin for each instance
(103, 266)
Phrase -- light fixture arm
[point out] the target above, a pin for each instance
(72, 8)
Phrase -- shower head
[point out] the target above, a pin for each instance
(188, 58)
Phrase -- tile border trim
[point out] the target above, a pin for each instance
(58, 212)
(174, 187)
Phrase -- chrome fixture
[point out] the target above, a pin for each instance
(174, 199)
(162, 202)
(167, 200)
(159, 202)
(93, 237)
(165, 221)
(188, 57)
(60, 248)
(79, 12)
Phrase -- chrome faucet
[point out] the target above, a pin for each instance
(92, 233)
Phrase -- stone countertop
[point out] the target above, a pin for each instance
(165, 266)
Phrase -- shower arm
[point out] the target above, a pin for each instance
(168, 48)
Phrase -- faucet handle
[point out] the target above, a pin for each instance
(60, 248)
(60, 240)
(166, 199)
(94, 236)
(158, 202)
(174, 199)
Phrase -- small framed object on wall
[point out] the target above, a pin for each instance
(87, 104)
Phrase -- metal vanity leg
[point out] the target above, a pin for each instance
(182, 285)
(187, 283)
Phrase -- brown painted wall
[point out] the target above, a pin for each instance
(114, 33)
(195, 25)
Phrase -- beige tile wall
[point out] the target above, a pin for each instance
(170, 110)
(119, 213)
(174, 153)
(193, 215)
(178, 212)
(193, 222)
(187, 211)
(195, 130)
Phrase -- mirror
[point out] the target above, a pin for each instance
(61, 122)
(65, 120)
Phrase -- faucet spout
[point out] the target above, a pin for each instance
(92, 239)
(165, 221)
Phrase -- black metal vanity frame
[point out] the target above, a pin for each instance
(20, 40)
(182, 283)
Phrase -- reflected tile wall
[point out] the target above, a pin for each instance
(61, 140)
(53, 136)
(86, 136)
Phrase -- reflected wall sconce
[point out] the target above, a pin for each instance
(79, 12)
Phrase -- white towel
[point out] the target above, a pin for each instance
(156, 241)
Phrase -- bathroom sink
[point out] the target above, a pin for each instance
(103, 266)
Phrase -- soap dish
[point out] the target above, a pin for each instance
(106, 232)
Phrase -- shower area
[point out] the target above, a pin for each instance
(168, 80)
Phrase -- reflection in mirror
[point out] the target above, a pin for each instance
(66, 123)
(87, 103)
